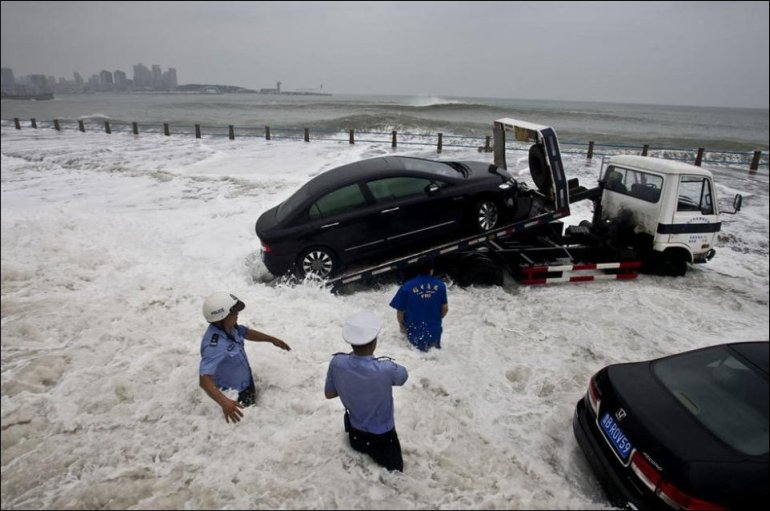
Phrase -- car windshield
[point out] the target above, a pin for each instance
(728, 397)
(438, 168)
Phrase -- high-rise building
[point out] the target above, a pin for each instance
(142, 77)
(157, 77)
(169, 78)
(121, 82)
(78, 79)
(8, 81)
(105, 80)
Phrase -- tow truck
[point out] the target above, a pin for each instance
(650, 215)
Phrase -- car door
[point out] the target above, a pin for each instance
(345, 221)
(415, 209)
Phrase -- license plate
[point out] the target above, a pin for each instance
(617, 438)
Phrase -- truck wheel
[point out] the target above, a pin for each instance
(480, 271)
(673, 264)
(486, 215)
(317, 261)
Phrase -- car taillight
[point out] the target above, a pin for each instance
(265, 247)
(670, 494)
(644, 470)
(676, 498)
(593, 395)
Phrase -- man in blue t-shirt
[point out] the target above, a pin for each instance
(224, 364)
(421, 304)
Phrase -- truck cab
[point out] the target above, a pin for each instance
(670, 209)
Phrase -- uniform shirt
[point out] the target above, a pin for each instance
(224, 358)
(365, 386)
(421, 299)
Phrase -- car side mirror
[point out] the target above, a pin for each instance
(432, 189)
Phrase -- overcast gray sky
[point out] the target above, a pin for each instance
(689, 53)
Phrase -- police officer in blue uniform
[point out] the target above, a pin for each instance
(224, 364)
(421, 304)
(364, 384)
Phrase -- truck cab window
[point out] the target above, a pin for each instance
(695, 195)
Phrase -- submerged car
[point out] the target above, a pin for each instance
(368, 210)
(686, 431)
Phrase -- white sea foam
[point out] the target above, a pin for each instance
(110, 243)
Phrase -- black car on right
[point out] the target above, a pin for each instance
(686, 431)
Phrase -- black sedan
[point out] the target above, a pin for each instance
(368, 210)
(686, 431)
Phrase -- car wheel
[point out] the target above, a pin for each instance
(486, 215)
(317, 261)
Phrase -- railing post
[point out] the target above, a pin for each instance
(16, 123)
(487, 144)
(352, 139)
(307, 135)
(440, 143)
(197, 131)
(135, 127)
(81, 126)
(755, 162)
(56, 125)
(232, 132)
(645, 149)
(394, 143)
(267, 132)
(165, 129)
(699, 157)
(34, 123)
(107, 129)
(590, 149)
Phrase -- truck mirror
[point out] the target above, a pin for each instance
(737, 201)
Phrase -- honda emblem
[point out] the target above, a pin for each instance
(620, 414)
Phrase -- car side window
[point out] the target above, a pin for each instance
(392, 188)
(337, 202)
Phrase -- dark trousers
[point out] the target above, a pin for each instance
(248, 396)
(385, 448)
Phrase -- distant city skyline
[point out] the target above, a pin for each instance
(104, 80)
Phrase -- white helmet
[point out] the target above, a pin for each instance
(218, 305)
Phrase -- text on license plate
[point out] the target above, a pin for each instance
(616, 437)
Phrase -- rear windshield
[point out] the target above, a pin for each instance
(728, 397)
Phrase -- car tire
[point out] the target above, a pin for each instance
(486, 215)
(318, 261)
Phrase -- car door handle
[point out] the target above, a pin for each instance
(391, 210)
(330, 225)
